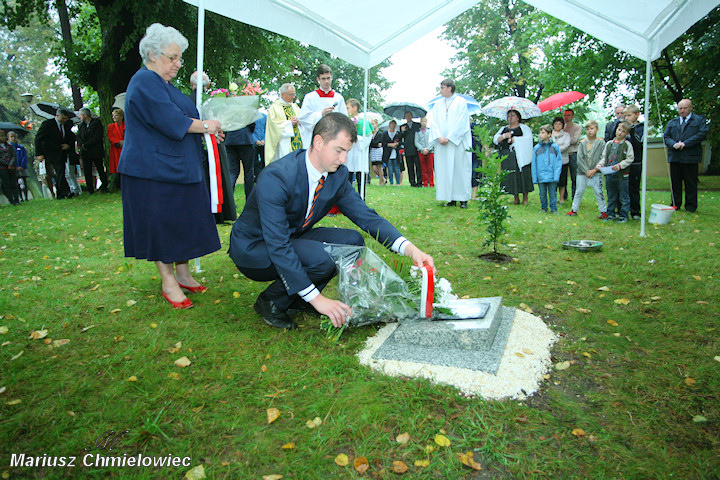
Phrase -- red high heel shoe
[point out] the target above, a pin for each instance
(179, 305)
(198, 289)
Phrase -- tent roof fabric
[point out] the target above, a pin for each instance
(366, 36)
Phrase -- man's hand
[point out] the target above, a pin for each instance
(327, 110)
(335, 310)
(443, 140)
(419, 257)
(679, 146)
(294, 120)
(65, 146)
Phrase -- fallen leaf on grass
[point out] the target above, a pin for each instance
(613, 323)
(2, 390)
(361, 464)
(115, 310)
(399, 467)
(263, 368)
(699, 419)
(198, 409)
(274, 476)
(429, 449)
(467, 460)
(527, 351)
(131, 378)
(17, 401)
(3, 330)
(583, 310)
(525, 308)
(697, 277)
(717, 358)
(403, 438)
(87, 328)
(655, 298)
(272, 414)
(702, 302)
(153, 325)
(604, 289)
(570, 282)
(236, 294)
(549, 306)
(578, 432)
(38, 334)
(689, 381)
(289, 446)
(130, 303)
(422, 463)
(315, 422)
(442, 440)
(15, 357)
(522, 419)
(174, 375)
(182, 362)
(342, 460)
(622, 301)
(562, 365)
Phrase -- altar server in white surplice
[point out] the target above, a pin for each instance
(319, 103)
(450, 132)
(282, 133)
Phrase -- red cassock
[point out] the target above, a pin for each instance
(115, 134)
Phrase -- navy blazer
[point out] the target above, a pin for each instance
(692, 135)
(275, 213)
(157, 143)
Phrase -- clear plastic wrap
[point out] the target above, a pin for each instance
(374, 292)
(233, 113)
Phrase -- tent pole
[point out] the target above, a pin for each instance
(643, 175)
(365, 96)
(199, 69)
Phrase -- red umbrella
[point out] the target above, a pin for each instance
(560, 100)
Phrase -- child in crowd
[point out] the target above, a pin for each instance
(589, 155)
(635, 137)
(547, 163)
(618, 154)
(21, 157)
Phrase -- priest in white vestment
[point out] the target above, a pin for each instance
(450, 132)
(319, 103)
(282, 132)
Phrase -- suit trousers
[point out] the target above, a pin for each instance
(87, 170)
(316, 262)
(686, 173)
(62, 188)
(244, 155)
(413, 168)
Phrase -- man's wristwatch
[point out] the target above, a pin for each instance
(206, 127)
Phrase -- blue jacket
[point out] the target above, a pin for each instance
(20, 155)
(275, 213)
(157, 145)
(259, 133)
(546, 163)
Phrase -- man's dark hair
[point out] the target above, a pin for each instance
(323, 69)
(449, 82)
(330, 126)
(570, 110)
(67, 113)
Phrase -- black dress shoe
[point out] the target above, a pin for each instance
(301, 306)
(463, 204)
(450, 204)
(272, 315)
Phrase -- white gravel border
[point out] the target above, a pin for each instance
(525, 360)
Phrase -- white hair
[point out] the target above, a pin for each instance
(86, 111)
(157, 38)
(193, 79)
(285, 87)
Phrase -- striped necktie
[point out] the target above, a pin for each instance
(319, 187)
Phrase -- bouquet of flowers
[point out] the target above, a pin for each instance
(234, 111)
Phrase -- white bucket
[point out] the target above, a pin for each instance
(660, 214)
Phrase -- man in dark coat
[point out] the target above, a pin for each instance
(411, 154)
(683, 137)
(55, 143)
(91, 142)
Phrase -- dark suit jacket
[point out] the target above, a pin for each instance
(157, 145)
(387, 150)
(92, 138)
(409, 138)
(275, 212)
(692, 135)
(49, 139)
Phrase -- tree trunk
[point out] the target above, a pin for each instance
(61, 8)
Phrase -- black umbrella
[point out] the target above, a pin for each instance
(49, 109)
(11, 127)
(397, 110)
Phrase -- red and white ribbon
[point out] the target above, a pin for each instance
(216, 193)
(428, 291)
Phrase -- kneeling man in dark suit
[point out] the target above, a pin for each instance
(274, 239)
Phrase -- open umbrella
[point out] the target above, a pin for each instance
(473, 105)
(11, 127)
(500, 107)
(560, 100)
(370, 116)
(49, 109)
(397, 110)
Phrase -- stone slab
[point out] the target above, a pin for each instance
(484, 360)
(468, 334)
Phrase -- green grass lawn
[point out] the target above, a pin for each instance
(643, 385)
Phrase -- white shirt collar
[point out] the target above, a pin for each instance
(313, 174)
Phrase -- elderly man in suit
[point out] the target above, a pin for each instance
(91, 142)
(683, 137)
(274, 239)
(55, 142)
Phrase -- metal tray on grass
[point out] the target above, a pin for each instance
(583, 245)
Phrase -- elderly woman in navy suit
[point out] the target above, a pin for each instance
(166, 205)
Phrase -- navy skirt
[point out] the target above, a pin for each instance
(167, 222)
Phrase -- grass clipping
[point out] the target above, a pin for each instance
(524, 363)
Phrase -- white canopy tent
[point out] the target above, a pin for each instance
(365, 36)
